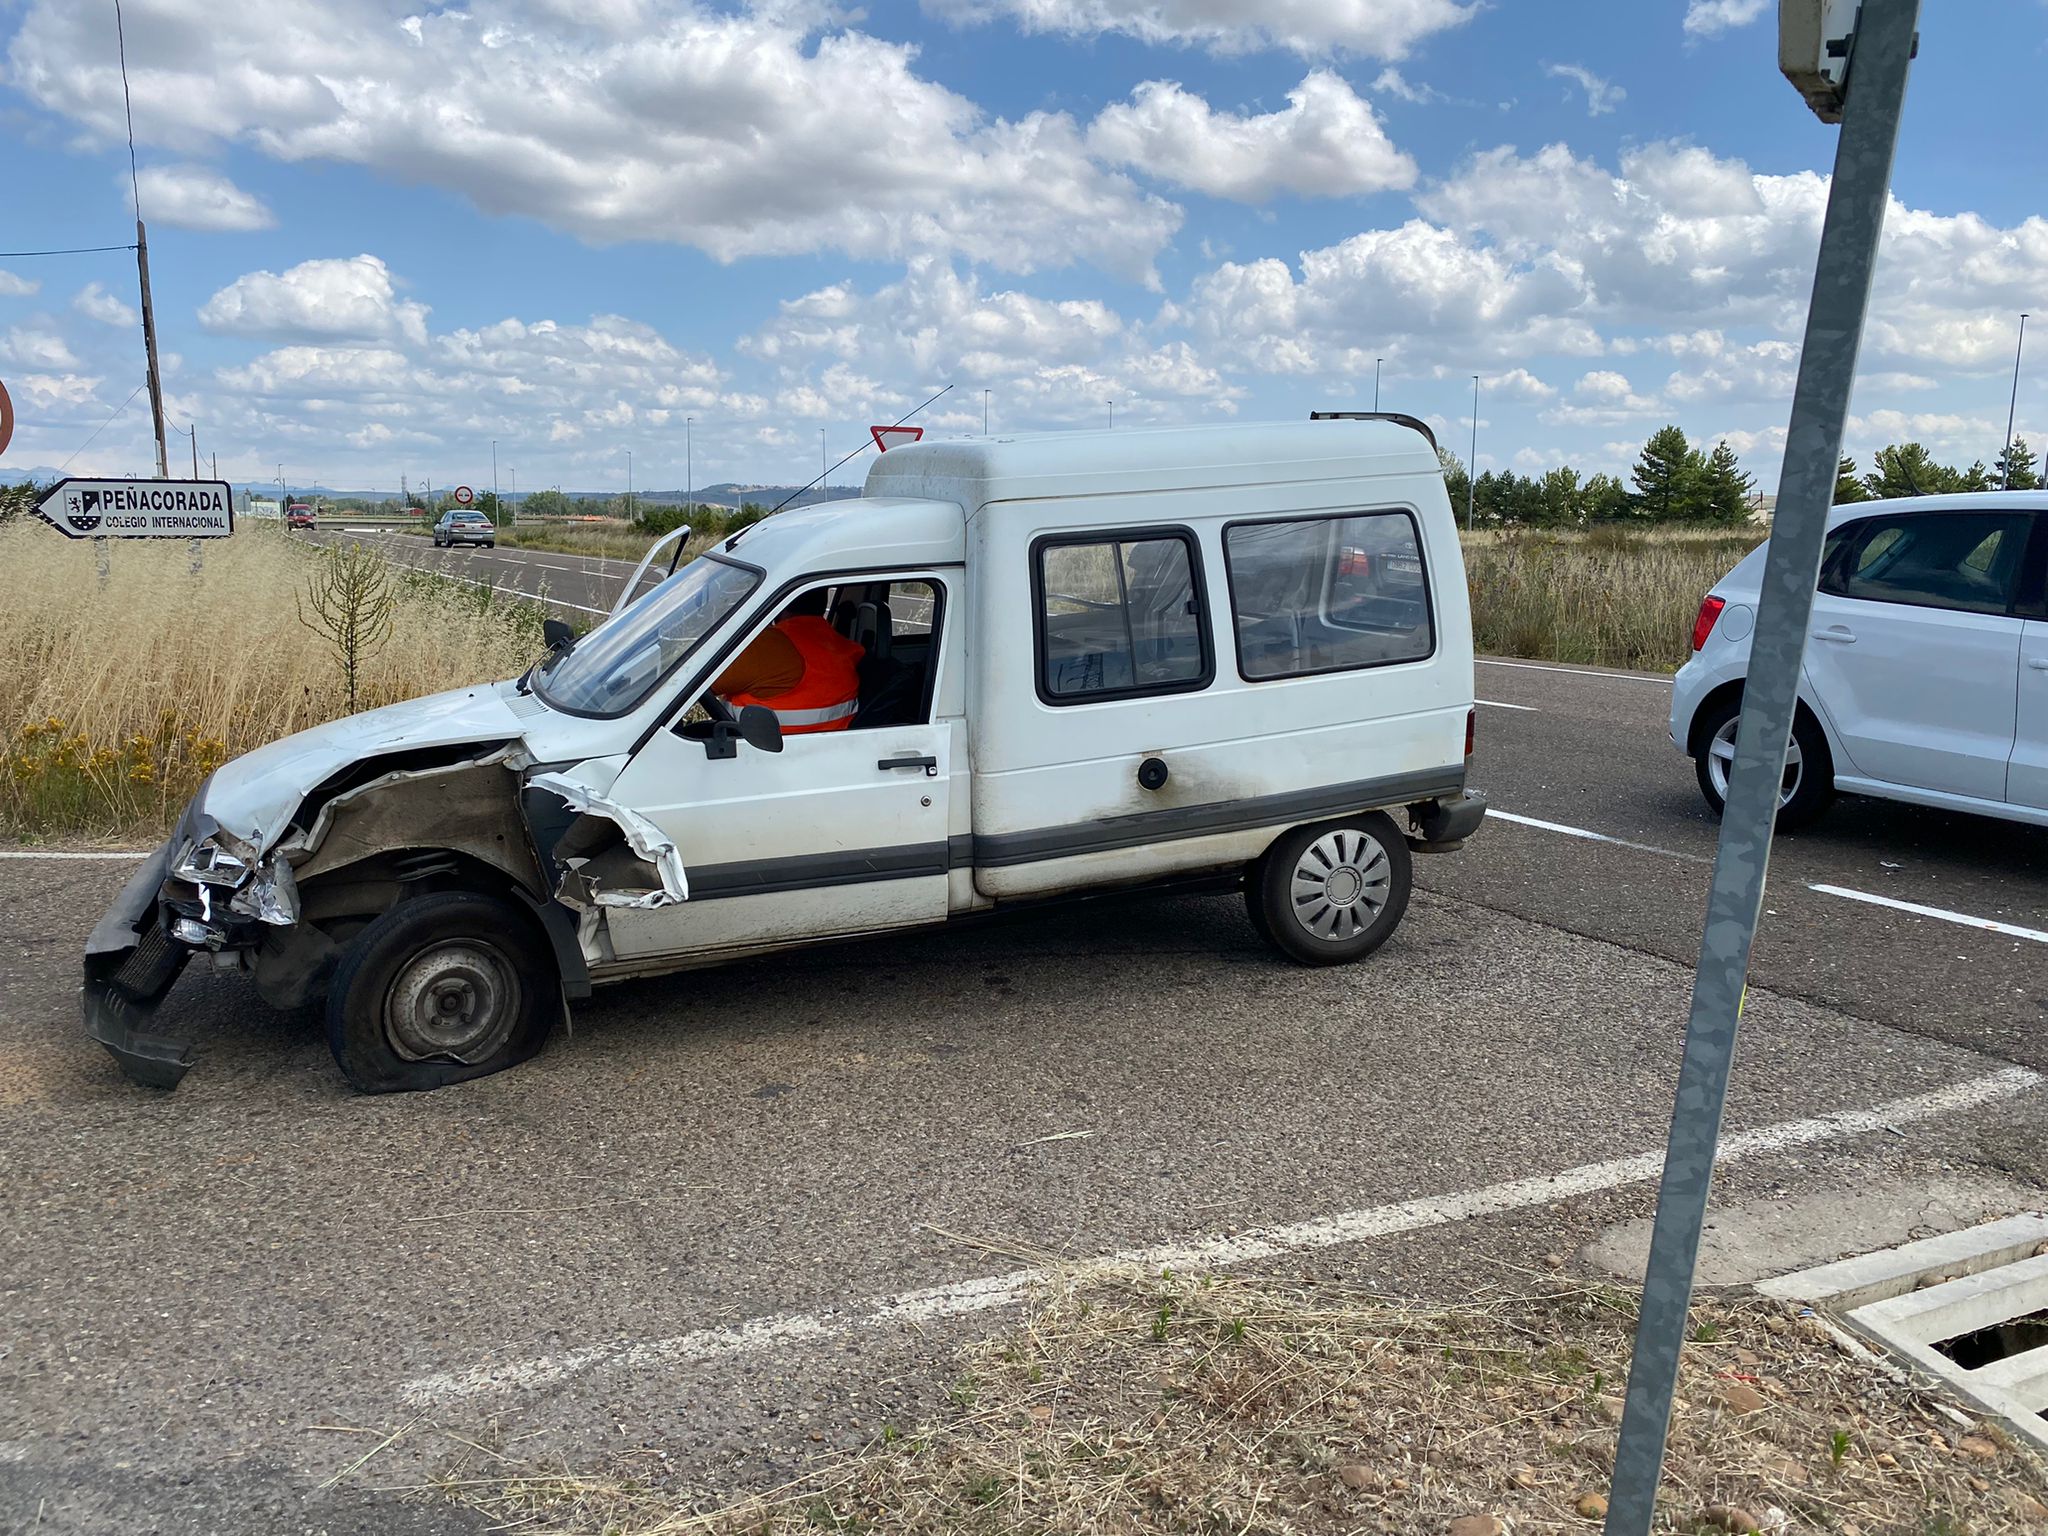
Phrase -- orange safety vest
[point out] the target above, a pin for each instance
(828, 694)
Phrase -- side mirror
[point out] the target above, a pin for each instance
(757, 726)
(760, 728)
(558, 635)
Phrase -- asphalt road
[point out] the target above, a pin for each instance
(679, 1229)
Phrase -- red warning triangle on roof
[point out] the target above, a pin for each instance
(894, 437)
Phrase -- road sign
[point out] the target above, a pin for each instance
(140, 509)
(6, 419)
(464, 495)
(894, 437)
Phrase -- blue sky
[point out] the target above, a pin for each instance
(384, 234)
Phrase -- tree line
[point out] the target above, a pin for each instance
(1673, 481)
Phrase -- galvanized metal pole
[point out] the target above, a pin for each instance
(1376, 383)
(2012, 407)
(1472, 459)
(1876, 89)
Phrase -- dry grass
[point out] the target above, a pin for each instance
(1612, 597)
(1183, 1404)
(115, 702)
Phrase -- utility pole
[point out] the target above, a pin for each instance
(1375, 384)
(822, 470)
(156, 385)
(1112, 412)
(1472, 459)
(984, 413)
(689, 467)
(497, 506)
(2005, 480)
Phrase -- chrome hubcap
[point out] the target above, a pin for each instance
(1341, 884)
(1721, 762)
(454, 1001)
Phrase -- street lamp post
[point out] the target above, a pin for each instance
(1112, 411)
(689, 467)
(497, 507)
(1376, 384)
(984, 413)
(2005, 481)
(629, 485)
(1472, 459)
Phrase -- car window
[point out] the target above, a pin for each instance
(1119, 616)
(614, 667)
(1965, 562)
(1327, 594)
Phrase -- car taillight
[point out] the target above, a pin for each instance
(1703, 626)
(1471, 729)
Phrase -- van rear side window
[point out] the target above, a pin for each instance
(1327, 594)
(1119, 616)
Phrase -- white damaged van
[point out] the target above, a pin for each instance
(1226, 656)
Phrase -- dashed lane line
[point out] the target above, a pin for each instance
(989, 1292)
(1962, 919)
(1591, 836)
(1612, 677)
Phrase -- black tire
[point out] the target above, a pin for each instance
(1813, 778)
(458, 945)
(1368, 852)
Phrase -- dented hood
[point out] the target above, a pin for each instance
(255, 795)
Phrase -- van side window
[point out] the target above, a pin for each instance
(1327, 594)
(1965, 561)
(1119, 616)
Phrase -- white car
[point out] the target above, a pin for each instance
(1926, 671)
(1234, 656)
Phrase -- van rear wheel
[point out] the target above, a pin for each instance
(1333, 892)
(443, 987)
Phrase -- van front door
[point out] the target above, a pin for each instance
(841, 832)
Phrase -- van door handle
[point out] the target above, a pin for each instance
(930, 765)
(1835, 633)
(2038, 663)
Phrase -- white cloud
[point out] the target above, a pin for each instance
(1604, 384)
(1328, 142)
(837, 352)
(36, 346)
(1385, 29)
(757, 133)
(15, 287)
(1391, 82)
(194, 197)
(1602, 96)
(1710, 18)
(95, 303)
(351, 297)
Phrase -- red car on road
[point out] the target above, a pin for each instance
(300, 516)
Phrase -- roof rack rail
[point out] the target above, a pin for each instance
(1399, 419)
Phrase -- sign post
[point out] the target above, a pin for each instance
(139, 509)
(1871, 67)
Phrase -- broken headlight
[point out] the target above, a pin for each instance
(205, 862)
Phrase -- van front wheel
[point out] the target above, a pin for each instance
(441, 988)
(1333, 892)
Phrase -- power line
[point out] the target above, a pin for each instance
(138, 389)
(72, 250)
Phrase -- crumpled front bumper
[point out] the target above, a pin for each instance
(130, 964)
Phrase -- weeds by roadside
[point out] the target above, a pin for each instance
(1612, 597)
(1155, 1403)
(117, 701)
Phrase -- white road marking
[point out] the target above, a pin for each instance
(40, 854)
(1612, 677)
(1591, 837)
(491, 586)
(1204, 1252)
(2013, 930)
(1527, 709)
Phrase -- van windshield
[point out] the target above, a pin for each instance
(614, 667)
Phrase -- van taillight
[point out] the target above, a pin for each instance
(1703, 626)
(1471, 729)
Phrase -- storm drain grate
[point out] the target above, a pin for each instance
(1969, 1309)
